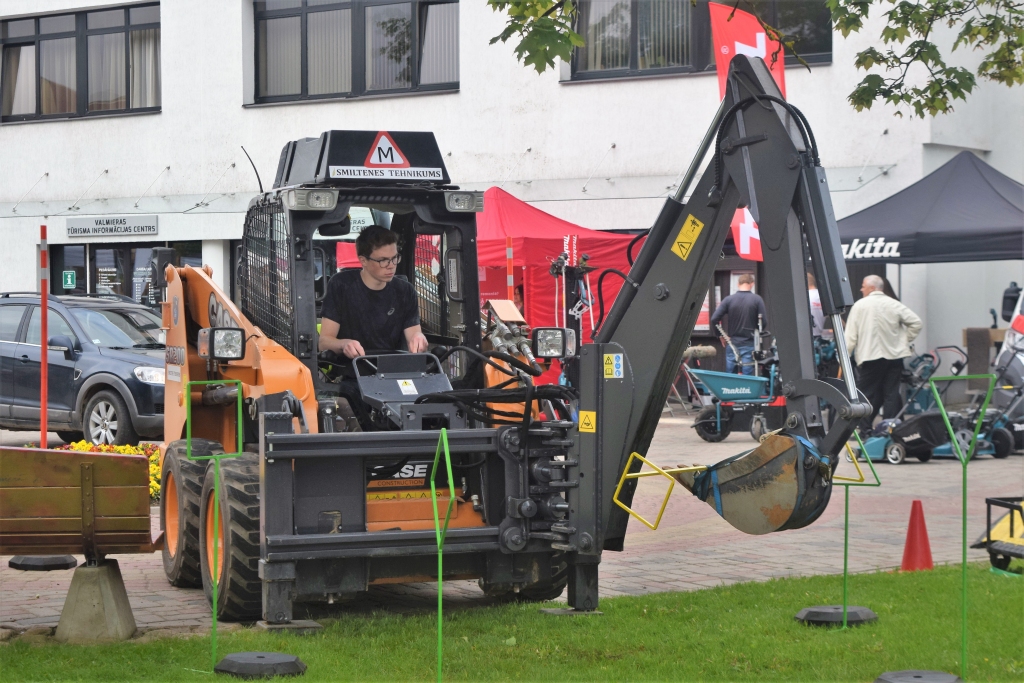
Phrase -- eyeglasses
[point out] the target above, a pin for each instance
(385, 262)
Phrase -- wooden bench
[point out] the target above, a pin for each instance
(55, 502)
(95, 504)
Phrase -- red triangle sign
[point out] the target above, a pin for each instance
(385, 153)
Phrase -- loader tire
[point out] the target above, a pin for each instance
(181, 485)
(542, 591)
(706, 427)
(552, 588)
(239, 589)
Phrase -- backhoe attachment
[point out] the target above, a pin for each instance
(774, 487)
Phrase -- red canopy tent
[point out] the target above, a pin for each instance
(537, 240)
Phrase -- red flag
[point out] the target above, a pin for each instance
(746, 235)
(744, 35)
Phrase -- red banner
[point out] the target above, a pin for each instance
(746, 235)
(738, 32)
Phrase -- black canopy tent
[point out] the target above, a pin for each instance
(963, 211)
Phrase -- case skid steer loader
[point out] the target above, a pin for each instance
(330, 493)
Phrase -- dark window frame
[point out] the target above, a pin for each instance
(702, 46)
(81, 35)
(358, 42)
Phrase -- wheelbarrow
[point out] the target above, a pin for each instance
(739, 402)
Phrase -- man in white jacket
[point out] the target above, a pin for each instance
(879, 331)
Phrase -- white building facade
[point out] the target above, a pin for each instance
(123, 124)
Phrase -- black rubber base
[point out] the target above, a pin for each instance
(832, 615)
(260, 665)
(42, 563)
(915, 676)
(569, 612)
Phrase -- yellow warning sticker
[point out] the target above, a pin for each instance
(688, 235)
(405, 495)
(588, 421)
(613, 366)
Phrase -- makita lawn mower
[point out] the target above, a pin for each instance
(996, 437)
(918, 428)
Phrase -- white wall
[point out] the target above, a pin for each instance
(501, 109)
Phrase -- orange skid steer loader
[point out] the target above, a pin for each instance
(327, 488)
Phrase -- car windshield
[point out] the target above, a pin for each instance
(121, 328)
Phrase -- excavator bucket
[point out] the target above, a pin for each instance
(782, 484)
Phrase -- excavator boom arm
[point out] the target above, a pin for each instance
(764, 159)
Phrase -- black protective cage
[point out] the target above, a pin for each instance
(265, 283)
(277, 270)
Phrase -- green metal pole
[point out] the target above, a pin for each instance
(846, 552)
(439, 531)
(963, 587)
(216, 574)
(216, 488)
(214, 580)
(964, 458)
(439, 623)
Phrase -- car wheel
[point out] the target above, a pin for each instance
(895, 453)
(70, 437)
(107, 420)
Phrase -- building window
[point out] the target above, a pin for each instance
(315, 49)
(628, 38)
(80, 64)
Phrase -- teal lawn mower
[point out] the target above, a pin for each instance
(918, 428)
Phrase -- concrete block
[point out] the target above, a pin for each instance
(96, 608)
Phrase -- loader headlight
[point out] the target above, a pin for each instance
(464, 201)
(221, 343)
(554, 342)
(311, 200)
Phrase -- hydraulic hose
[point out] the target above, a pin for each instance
(632, 243)
(805, 131)
(535, 371)
(600, 294)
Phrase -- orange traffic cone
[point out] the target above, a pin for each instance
(917, 553)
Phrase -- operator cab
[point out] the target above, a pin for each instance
(302, 233)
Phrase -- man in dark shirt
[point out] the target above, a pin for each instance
(370, 310)
(742, 308)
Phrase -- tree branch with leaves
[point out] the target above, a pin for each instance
(545, 31)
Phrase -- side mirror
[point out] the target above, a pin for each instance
(221, 343)
(554, 342)
(1010, 296)
(62, 342)
(343, 227)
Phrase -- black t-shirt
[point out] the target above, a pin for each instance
(376, 319)
(742, 308)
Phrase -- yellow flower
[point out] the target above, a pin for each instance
(151, 451)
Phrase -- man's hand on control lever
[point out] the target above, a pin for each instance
(418, 344)
(415, 340)
(351, 348)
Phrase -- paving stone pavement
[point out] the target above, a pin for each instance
(692, 549)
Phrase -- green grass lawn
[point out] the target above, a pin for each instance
(735, 633)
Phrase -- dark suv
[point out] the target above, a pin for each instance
(106, 368)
